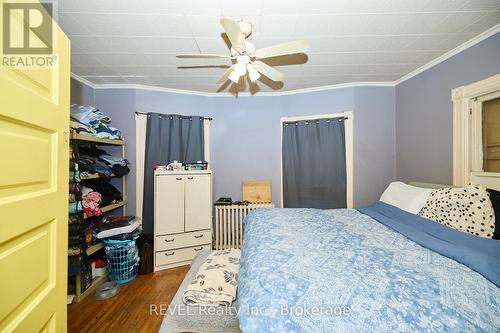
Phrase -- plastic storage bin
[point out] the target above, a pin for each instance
(123, 260)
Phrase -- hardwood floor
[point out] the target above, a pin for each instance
(129, 311)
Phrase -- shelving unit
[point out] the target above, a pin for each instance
(87, 139)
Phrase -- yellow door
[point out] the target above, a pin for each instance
(34, 119)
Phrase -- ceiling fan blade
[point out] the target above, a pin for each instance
(201, 55)
(225, 76)
(233, 32)
(297, 46)
(268, 71)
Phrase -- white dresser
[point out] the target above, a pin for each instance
(183, 216)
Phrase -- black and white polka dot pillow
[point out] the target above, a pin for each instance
(466, 209)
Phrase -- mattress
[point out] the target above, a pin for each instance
(308, 270)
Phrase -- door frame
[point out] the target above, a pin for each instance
(466, 139)
(349, 118)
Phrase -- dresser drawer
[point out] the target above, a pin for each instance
(187, 239)
(173, 256)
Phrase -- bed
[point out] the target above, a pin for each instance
(373, 269)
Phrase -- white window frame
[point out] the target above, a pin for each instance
(140, 153)
(348, 148)
(477, 130)
(467, 129)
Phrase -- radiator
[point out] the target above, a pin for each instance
(229, 224)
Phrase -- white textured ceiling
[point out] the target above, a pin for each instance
(135, 41)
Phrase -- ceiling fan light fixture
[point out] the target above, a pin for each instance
(245, 59)
(240, 68)
(252, 73)
(246, 28)
(234, 77)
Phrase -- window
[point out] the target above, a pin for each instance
(485, 133)
(491, 135)
(303, 139)
(476, 133)
(140, 126)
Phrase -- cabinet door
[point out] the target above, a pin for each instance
(169, 204)
(198, 202)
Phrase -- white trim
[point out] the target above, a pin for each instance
(206, 140)
(487, 179)
(140, 151)
(477, 130)
(348, 143)
(471, 42)
(464, 144)
(226, 94)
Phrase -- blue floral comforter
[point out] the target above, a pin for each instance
(308, 270)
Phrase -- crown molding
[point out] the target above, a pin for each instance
(226, 94)
(471, 42)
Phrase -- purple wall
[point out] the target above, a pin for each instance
(424, 128)
(81, 93)
(245, 132)
(374, 142)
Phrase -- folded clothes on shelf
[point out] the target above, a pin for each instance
(75, 207)
(91, 121)
(74, 187)
(129, 235)
(76, 239)
(109, 193)
(102, 169)
(115, 226)
(74, 264)
(74, 218)
(85, 164)
(92, 159)
(118, 165)
(91, 151)
(74, 197)
(113, 160)
(91, 202)
(79, 127)
(88, 115)
(74, 176)
(120, 170)
(74, 251)
(75, 228)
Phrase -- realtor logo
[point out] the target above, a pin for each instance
(27, 29)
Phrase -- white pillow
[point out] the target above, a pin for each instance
(406, 197)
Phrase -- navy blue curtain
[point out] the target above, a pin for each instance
(169, 138)
(314, 164)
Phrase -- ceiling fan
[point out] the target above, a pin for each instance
(245, 58)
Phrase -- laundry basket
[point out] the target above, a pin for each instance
(123, 260)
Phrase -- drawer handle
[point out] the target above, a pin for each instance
(198, 248)
(198, 236)
(169, 240)
(170, 254)
(178, 178)
(190, 177)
